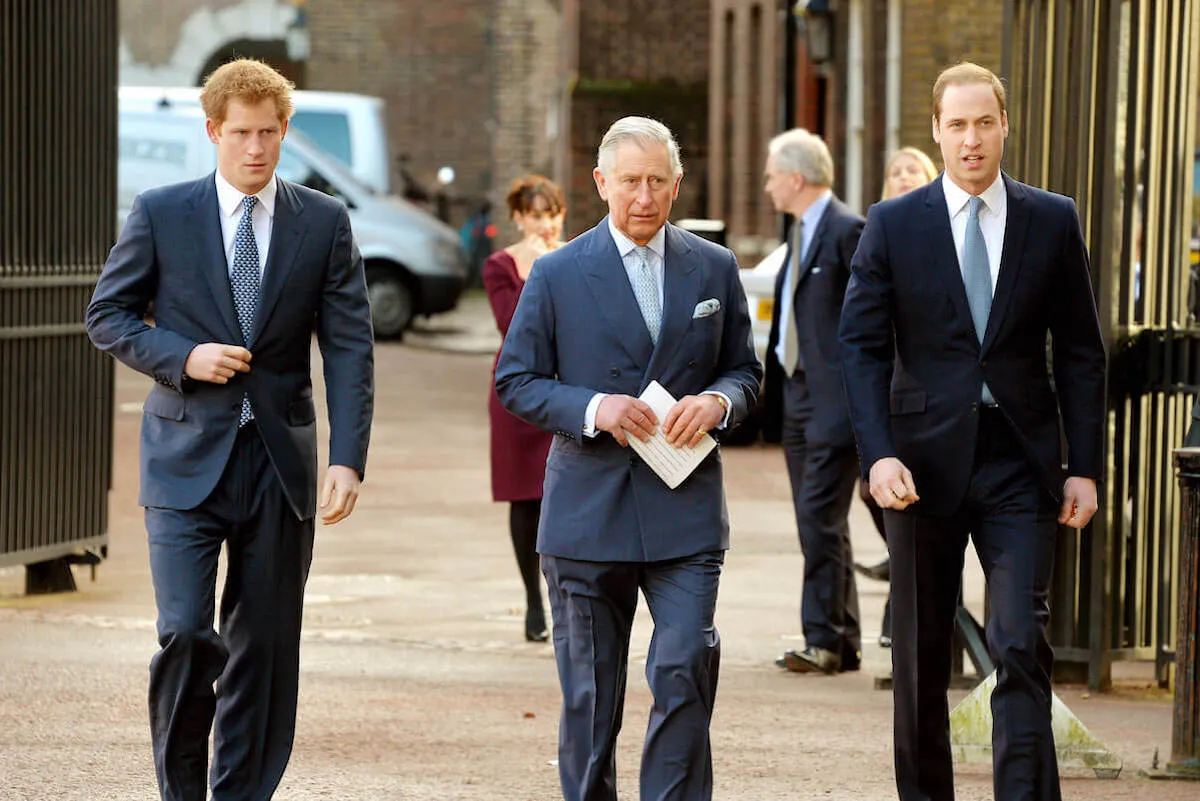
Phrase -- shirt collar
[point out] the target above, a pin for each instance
(230, 199)
(625, 245)
(812, 215)
(994, 197)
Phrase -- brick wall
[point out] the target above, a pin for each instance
(529, 89)
(936, 35)
(627, 64)
(433, 63)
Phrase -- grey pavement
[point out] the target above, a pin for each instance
(416, 682)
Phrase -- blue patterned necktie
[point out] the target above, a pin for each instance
(977, 276)
(645, 289)
(245, 281)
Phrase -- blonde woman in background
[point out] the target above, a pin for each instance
(905, 170)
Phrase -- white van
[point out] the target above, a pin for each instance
(415, 263)
(349, 127)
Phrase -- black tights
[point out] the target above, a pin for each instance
(523, 525)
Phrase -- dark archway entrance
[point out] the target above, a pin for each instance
(272, 51)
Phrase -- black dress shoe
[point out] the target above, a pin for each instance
(813, 660)
(535, 626)
(879, 572)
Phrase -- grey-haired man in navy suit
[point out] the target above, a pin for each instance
(634, 299)
(242, 268)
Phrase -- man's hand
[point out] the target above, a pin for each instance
(1079, 502)
(339, 493)
(892, 484)
(691, 418)
(618, 414)
(216, 363)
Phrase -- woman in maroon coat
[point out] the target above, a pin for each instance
(537, 207)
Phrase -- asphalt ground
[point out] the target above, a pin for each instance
(416, 682)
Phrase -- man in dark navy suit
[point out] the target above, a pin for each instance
(804, 389)
(242, 268)
(957, 287)
(631, 301)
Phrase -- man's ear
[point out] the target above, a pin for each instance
(1004, 123)
(675, 190)
(213, 130)
(283, 128)
(601, 187)
(937, 131)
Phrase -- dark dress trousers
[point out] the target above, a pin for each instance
(518, 449)
(818, 443)
(609, 524)
(205, 482)
(914, 371)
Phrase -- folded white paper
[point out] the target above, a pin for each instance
(671, 464)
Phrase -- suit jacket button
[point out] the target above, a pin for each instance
(983, 363)
(691, 362)
(614, 372)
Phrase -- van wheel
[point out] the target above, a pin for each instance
(391, 303)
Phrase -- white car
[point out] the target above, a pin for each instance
(759, 283)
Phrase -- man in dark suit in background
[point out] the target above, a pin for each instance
(956, 287)
(241, 268)
(633, 300)
(804, 387)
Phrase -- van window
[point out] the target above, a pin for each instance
(150, 159)
(292, 168)
(330, 130)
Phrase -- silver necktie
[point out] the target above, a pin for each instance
(791, 328)
(645, 289)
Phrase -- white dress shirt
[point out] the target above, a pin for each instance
(656, 259)
(993, 216)
(229, 200)
(811, 218)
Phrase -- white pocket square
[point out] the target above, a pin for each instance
(706, 308)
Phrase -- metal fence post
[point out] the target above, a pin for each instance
(1185, 726)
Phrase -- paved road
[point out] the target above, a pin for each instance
(416, 682)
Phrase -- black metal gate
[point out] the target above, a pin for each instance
(58, 151)
(1103, 108)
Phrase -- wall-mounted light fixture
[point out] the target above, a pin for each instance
(814, 19)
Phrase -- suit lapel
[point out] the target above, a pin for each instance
(286, 236)
(936, 230)
(681, 290)
(815, 244)
(608, 282)
(1015, 227)
(204, 222)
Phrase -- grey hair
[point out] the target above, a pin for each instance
(799, 151)
(646, 133)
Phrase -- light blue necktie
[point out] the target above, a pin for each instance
(245, 280)
(977, 276)
(645, 289)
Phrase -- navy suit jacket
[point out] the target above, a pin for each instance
(914, 367)
(170, 256)
(820, 289)
(578, 331)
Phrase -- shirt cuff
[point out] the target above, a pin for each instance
(589, 416)
(728, 406)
